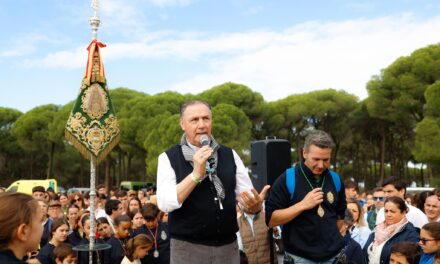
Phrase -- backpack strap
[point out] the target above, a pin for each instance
(336, 180)
(290, 181)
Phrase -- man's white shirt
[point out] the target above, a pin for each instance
(415, 216)
(167, 186)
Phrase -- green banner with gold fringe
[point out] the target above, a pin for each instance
(92, 127)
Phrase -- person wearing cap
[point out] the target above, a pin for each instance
(202, 216)
(54, 210)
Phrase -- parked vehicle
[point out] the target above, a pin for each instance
(25, 186)
(134, 185)
(81, 190)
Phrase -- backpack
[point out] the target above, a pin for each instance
(290, 181)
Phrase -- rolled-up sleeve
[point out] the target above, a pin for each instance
(166, 185)
(244, 182)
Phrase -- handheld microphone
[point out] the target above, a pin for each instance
(204, 140)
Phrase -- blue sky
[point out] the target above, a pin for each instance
(277, 47)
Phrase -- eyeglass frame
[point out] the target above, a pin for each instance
(382, 198)
(424, 240)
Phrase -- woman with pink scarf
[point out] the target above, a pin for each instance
(394, 229)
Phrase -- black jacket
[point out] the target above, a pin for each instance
(308, 235)
(8, 257)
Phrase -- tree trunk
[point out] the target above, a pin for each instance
(81, 173)
(107, 174)
(128, 169)
(32, 165)
(382, 156)
(121, 171)
(335, 155)
(50, 165)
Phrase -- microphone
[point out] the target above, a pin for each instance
(204, 140)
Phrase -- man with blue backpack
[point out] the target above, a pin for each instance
(308, 200)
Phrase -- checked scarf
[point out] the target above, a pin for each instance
(211, 164)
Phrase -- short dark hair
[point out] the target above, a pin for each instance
(396, 182)
(433, 229)
(408, 249)
(192, 102)
(399, 202)
(377, 189)
(38, 189)
(62, 251)
(121, 193)
(351, 184)
(318, 138)
(150, 211)
(101, 220)
(111, 205)
(122, 218)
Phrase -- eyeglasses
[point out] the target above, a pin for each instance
(379, 198)
(424, 240)
(77, 200)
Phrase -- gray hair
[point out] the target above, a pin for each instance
(192, 102)
(320, 139)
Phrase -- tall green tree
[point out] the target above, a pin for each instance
(32, 132)
(10, 151)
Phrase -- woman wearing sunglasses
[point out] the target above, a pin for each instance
(394, 229)
(77, 199)
(429, 242)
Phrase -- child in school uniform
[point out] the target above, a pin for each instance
(160, 251)
(118, 241)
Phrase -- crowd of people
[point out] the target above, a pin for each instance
(46, 227)
(207, 211)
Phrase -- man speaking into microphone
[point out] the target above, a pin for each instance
(198, 183)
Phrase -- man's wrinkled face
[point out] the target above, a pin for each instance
(432, 207)
(317, 159)
(195, 122)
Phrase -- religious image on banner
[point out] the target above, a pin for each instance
(92, 126)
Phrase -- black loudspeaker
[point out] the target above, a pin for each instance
(269, 159)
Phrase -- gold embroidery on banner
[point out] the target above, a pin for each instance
(94, 102)
(96, 136)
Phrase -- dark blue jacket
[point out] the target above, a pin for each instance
(8, 257)
(353, 251)
(407, 233)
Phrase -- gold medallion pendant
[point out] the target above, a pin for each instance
(320, 211)
(330, 197)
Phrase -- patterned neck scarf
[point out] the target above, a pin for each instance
(211, 164)
(385, 232)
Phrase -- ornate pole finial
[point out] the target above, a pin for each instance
(94, 20)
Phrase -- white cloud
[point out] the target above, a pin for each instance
(305, 57)
(254, 10)
(340, 55)
(164, 3)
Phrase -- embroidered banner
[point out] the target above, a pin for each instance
(92, 127)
